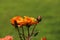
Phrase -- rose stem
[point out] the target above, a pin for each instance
(33, 29)
(19, 34)
(28, 38)
(16, 26)
(23, 33)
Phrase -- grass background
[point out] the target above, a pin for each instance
(48, 9)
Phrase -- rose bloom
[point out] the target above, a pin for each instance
(23, 21)
(30, 20)
(7, 38)
(18, 19)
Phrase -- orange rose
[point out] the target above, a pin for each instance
(33, 21)
(30, 20)
(18, 19)
(7, 38)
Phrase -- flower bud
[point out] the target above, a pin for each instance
(39, 18)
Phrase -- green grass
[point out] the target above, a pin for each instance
(48, 9)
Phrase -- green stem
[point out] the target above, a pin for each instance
(19, 34)
(33, 30)
(23, 33)
(16, 26)
(28, 34)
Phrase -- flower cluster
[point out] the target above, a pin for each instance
(26, 20)
(7, 38)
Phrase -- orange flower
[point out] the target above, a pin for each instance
(30, 20)
(18, 19)
(44, 38)
(21, 22)
(7, 38)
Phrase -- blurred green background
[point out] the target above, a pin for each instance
(48, 9)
